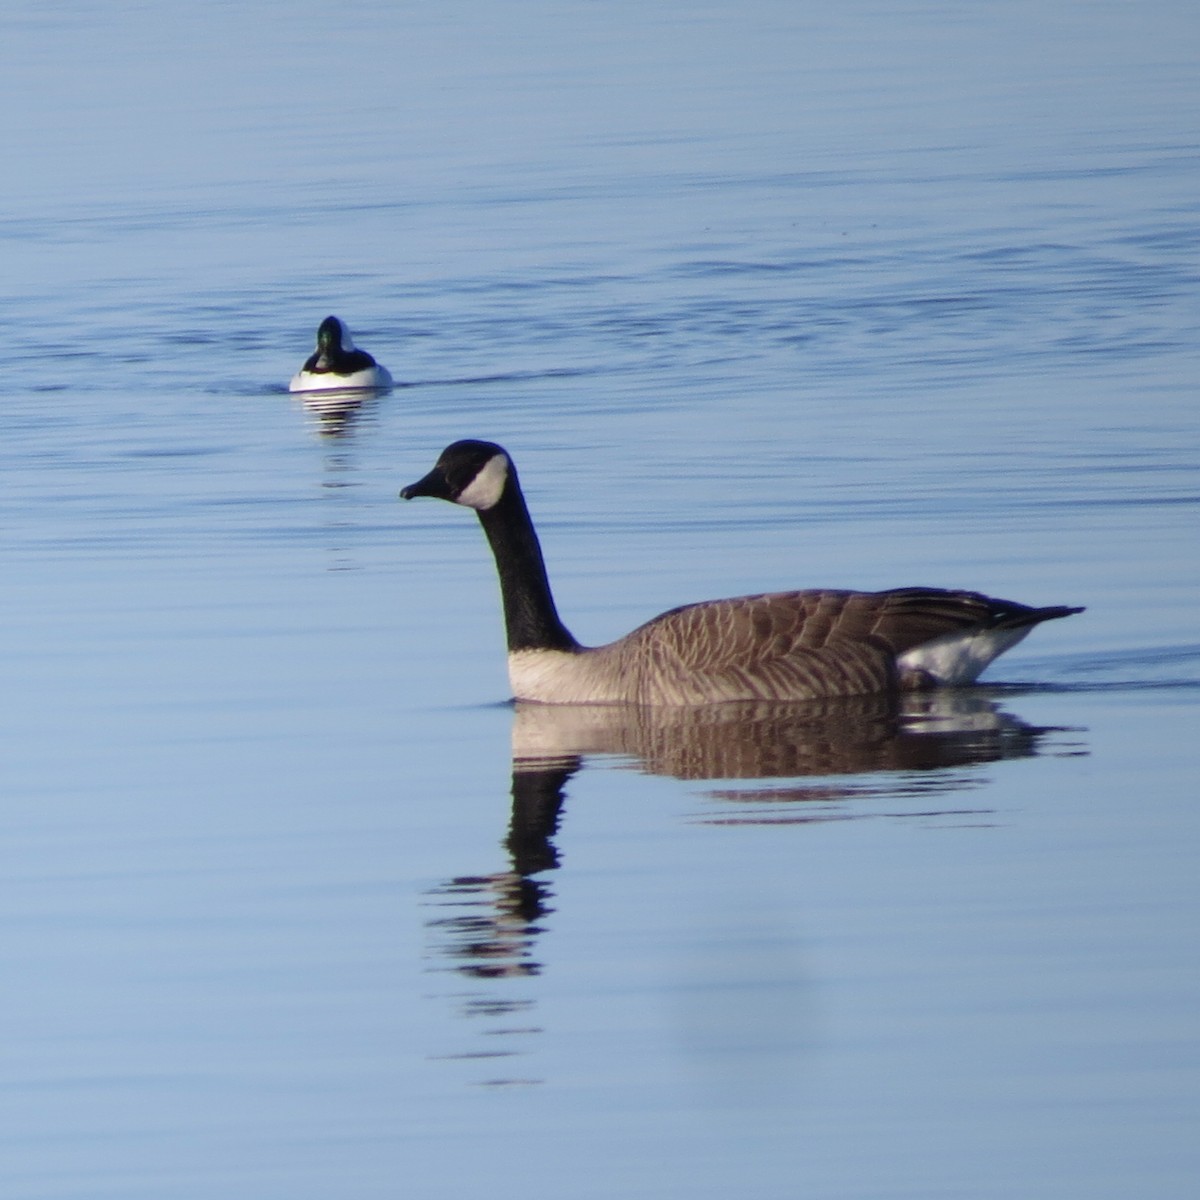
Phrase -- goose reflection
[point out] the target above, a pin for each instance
(487, 926)
(493, 934)
(828, 752)
(852, 736)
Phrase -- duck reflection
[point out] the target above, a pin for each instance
(488, 926)
(334, 412)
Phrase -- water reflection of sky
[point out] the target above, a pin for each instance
(767, 297)
(907, 751)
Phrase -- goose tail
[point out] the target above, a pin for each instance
(959, 658)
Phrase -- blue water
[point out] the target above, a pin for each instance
(296, 905)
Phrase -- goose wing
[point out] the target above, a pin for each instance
(803, 645)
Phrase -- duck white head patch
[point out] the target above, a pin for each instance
(485, 490)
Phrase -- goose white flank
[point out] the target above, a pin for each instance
(800, 645)
(338, 364)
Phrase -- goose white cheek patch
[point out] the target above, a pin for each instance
(487, 487)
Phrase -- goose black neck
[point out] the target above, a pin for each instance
(530, 619)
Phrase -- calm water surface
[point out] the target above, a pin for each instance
(296, 904)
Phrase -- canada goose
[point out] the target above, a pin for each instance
(780, 646)
(337, 363)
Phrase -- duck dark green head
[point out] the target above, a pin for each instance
(333, 336)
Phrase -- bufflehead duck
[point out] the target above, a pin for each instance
(337, 364)
(785, 646)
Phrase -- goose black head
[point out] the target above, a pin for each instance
(468, 472)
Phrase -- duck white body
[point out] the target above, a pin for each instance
(337, 364)
(789, 646)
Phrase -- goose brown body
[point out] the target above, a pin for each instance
(801, 645)
(778, 646)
